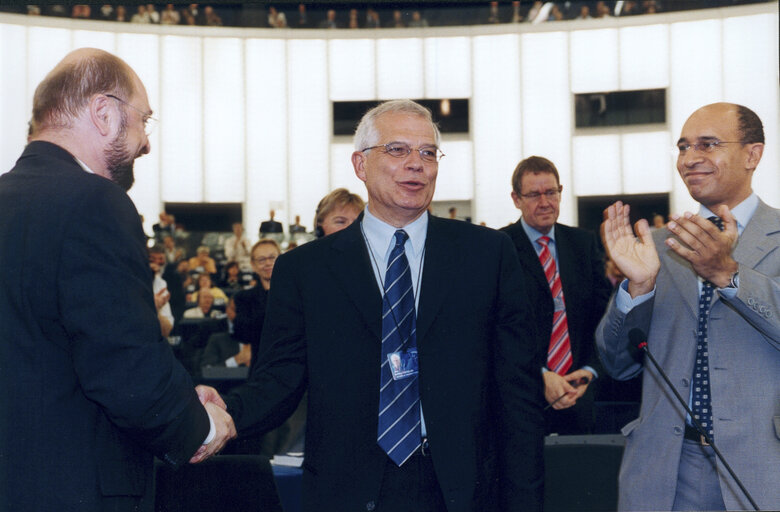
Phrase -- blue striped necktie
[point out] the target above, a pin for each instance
(398, 432)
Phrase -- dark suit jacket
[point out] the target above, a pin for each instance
(250, 315)
(586, 291)
(90, 389)
(479, 366)
(220, 347)
(271, 226)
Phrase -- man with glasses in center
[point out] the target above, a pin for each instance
(456, 426)
(564, 271)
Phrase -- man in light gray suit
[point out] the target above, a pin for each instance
(733, 342)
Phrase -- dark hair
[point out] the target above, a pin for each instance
(535, 165)
(749, 125)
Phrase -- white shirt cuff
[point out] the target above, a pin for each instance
(212, 431)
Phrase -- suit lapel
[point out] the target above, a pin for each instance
(757, 240)
(567, 267)
(441, 256)
(349, 261)
(527, 254)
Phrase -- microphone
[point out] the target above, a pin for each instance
(575, 383)
(638, 342)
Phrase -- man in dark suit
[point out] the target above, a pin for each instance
(576, 266)
(270, 226)
(91, 391)
(471, 435)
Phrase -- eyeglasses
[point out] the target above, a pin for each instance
(149, 122)
(261, 260)
(707, 146)
(402, 150)
(551, 194)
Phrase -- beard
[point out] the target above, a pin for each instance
(119, 163)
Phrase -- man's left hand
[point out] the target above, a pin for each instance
(707, 248)
(556, 386)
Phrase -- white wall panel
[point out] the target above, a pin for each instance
(399, 64)
(342, 174)
(15, 100)
(456, 172)
(751, 82)
(266, 129)
(181, 115)
(596, 164)
(644, 57)
(547, 110)
(352, 74)
(142, 53)
(594, 60)
(223, 127)
(94, 39)
(495, 126)
(647, 162)
(310, 126)
(46, 47)
(447, 67)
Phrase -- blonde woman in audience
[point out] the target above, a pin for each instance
(204, 283)
(336, 211)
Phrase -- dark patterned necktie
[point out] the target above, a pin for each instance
(398, 432)
(702, 401)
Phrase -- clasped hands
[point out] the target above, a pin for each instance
(223, 423)
(698, 241)
(559, 391)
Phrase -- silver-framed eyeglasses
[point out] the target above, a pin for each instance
(261, 260)
(705, 146)
(551, 194)
(149, 122)
(402, 150)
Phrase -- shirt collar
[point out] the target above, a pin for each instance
(743, 212)
(84, 166)
(380, 234)
(534, 234)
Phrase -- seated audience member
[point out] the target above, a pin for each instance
(397, 21)
(154, 16)
(372, 19)
(276, 19)
(417, 20)
(330, 20)
(237, 247)
(271, 228)
(173, 254)
(106, 12)
(250, 304)
(203, 262)
(204, 283)
(161, 299)
(141, 16)
(204, 307)
(170, 16)
(231, 281)
(336, 211)
(223, 349)
(166, 226)
(173, 280)
(297, 227)
(211, 18)
(121, 14)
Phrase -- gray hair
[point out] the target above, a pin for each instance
(366, 134)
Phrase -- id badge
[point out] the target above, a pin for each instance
(403, 364)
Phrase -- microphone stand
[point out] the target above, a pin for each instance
(643, 346)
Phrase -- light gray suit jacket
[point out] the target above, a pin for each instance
(744, 352)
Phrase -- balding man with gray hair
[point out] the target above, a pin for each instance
(91, 390)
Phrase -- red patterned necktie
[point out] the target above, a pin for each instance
(559, 351)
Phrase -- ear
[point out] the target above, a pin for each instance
(516, 199)
(755, 151)
(359, 163)
(102, 113)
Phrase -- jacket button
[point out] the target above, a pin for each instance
(685, 382)
(370, 506)
(678, 430)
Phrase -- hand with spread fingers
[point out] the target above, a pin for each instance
(634, 255)
(706, 247)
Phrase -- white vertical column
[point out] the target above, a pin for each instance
(15, 94)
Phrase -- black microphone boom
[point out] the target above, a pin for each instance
(638, 339)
